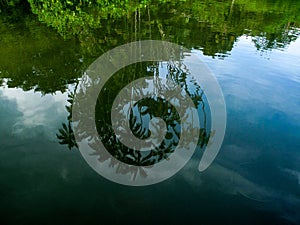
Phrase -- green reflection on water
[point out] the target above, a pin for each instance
(33, 56)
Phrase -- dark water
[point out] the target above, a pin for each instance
(252, 47)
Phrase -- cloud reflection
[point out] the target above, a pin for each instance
(35, 114)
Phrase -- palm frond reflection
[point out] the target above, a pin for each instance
(139, 115)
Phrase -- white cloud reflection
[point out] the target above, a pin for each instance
(39, 115)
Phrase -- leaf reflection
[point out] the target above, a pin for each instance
(140, 115)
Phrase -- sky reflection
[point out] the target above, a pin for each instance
(35, 114)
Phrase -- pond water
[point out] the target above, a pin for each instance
(253, 49)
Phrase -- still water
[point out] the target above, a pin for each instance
(253, 49)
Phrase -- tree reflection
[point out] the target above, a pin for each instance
(140, 115)
(43, 61)
(65, 134)
(212, 26)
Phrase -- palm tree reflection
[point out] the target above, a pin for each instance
(66, 134)
(140, 115)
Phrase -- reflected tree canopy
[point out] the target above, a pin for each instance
(140, 115)
(210, 25)
(91, 28)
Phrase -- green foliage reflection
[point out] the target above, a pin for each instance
(32, 56)
(210, 25)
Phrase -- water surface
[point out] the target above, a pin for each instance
(252, 47)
